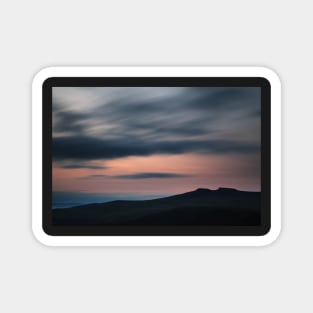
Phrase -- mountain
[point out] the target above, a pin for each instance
(224, 206)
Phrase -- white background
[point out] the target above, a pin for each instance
(37, 34)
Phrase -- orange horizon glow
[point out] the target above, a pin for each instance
(202, 171)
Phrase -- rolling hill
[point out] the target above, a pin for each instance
(224, 206)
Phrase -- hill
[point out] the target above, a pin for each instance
(224, 206)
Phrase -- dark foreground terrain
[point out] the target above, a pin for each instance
(223, 206)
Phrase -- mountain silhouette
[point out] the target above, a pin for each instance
(224, 206)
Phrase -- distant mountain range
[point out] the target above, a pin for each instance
(224, 206)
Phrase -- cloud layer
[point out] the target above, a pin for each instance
(153, 121)
(163, 139)
(138, 176)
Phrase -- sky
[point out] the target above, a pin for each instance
(145, 142)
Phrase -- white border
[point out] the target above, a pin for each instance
(156, 240)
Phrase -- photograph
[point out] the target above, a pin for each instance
(156, 156)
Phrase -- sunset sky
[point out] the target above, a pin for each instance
(144, 142)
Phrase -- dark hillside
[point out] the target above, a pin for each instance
(223, 206)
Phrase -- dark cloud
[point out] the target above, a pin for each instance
(145, 121)
(68, 121)
(151, 175)
(92, 148)
(190, 111)
(95, 176)
(78, 166)
(219, 99)
(138, 176)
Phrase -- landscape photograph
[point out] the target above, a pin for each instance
(156, 156)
